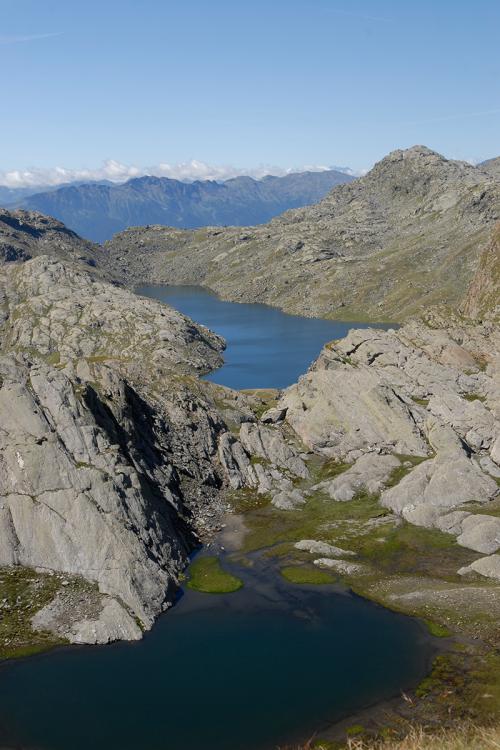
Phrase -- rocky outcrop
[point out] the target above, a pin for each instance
(406, 236)
(89, 485)
(62, 313)
(417, 411)
(269, 444)
(322, 548)
(108, 445)
(368, 474)
(27, 234)
(343, 408)
(266, 459)
(485, 566)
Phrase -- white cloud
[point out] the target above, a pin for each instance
(115, 171)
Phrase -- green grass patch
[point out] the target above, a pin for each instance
(53, 359)
(246, 500)
(355, 731)
(305, 574)
(407, 549)
(420, 401)
(437, 630)
(268, 526)
(474, 397)
(397, 475)
(22, 593)
(207, 575)
(322, 471)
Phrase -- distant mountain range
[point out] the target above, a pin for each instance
(99, 210)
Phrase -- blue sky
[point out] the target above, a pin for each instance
(289, 83)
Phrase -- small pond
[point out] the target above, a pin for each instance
(267, 665)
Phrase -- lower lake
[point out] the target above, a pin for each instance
(266, 348)
(267, 665)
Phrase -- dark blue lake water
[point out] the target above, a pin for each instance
(267, 665)
(266, 348)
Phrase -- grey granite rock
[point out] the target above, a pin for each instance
(369, 473)
(342, 566)
(273, 416)
(480, 533)
(322, 548)
(269, 443)
(288, 499)
(485, 566)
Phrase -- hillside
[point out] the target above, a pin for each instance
(97, 210)
(406, 236)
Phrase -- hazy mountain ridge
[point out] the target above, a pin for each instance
(405, 236)
(97, 210)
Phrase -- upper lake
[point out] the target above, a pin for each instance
(266, 348)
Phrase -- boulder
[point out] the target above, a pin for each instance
(480, 533)
(322, 548)
(342, 567)
(269, 443)
(485, 566)
(368, 474)
(289, 499)
(273, 416)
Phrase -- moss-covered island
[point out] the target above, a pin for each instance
(207, 575)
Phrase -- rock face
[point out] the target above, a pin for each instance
(482, 296)
(83, 465)
(98, 211)
(384, 247)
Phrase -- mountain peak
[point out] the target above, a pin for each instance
(419, 170)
